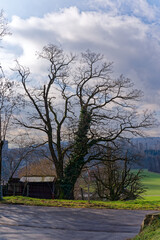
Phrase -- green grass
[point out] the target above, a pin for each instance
(138, 204)
(152, 182)
(150, 232)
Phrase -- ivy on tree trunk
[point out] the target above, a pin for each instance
(77, 159)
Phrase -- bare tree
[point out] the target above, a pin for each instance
(3, 25)
(8, 103)
(79, 109)
(115, 178)
(24, 152)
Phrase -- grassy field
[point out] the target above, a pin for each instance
(151, 181)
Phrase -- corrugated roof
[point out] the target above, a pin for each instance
(37, 179)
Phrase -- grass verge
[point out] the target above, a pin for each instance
(150, 232)
(138, 204)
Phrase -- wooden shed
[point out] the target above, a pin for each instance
(38, 186)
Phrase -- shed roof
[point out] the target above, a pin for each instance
(37, 179)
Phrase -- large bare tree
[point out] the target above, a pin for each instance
(79, 108)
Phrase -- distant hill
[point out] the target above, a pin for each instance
(149, 143)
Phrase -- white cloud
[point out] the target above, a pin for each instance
(142, 8)
(139, 8)
(133, 44)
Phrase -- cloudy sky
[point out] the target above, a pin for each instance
(127, 32)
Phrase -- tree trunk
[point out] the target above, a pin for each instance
(65, 185)
(64, 189)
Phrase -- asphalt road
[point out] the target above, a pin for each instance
(45, 223)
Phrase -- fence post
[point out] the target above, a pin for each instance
(27, 190)
(14, 189)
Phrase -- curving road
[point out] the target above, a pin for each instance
(45, 223)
